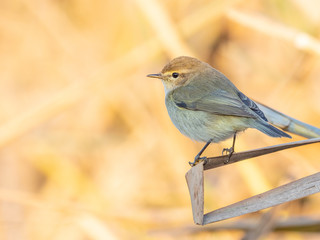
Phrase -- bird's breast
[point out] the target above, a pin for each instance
(199, 125)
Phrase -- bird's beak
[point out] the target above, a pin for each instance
(156, 75)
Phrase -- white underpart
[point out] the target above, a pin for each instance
(168, 87)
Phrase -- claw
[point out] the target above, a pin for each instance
(227, 150)
(197, 160)
(230, 151)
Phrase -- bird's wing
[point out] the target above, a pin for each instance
(252, 105)
(214, 99)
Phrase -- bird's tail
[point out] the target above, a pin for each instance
(270, 130)
(290, 124)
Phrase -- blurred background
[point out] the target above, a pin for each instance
(87, 148)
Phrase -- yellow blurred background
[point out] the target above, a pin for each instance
(87, 148)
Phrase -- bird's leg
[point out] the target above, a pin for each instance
(230, 150)
(197, 158)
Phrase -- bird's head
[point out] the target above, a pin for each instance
(179, 72)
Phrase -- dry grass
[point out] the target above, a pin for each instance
(87, 148)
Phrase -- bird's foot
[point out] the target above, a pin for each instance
(228, 151)
(197, 160)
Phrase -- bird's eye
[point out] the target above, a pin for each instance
(175, 75)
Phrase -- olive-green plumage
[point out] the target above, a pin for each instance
(205, 105)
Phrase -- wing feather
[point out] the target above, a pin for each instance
(252, 105)
(199, 97)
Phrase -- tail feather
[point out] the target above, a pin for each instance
(270, 130)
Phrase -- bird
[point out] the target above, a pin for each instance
(206, 106)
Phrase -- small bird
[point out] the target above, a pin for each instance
(206, 106)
